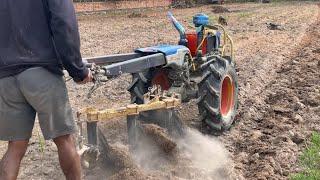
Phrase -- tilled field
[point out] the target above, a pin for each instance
(279, 97)
(276, 120)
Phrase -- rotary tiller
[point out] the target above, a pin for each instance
(200, 67)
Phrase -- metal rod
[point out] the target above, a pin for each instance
(132, 130)
(109, 59)
(92, 133)
(95, 115)
(135, 65)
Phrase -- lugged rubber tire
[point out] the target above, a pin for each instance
(139, 86)
(218, 76)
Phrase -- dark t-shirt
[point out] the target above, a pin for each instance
(39, 33)
(14, 71)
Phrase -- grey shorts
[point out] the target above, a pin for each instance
(34, 91)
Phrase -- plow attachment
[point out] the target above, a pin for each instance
(158, 109)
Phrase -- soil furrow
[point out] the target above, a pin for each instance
(274, 132)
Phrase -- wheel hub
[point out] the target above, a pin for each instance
(161, 79)
(227, 96)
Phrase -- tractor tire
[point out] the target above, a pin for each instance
(139, 86)
(218, 96)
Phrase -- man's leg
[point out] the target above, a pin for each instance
(68, 157)
(16, 124)
(10, 163)
(47, 94)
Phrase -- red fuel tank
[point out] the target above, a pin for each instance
(193, 43)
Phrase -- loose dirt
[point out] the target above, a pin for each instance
(278, 120)
(279, 96)
(159, 136)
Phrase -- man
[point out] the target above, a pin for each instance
(37, 39)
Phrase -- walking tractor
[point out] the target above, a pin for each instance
(200, 67)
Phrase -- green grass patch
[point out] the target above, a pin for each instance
(310, 160)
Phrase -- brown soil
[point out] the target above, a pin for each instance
(279, 126)
(118, 5)
(160, 137)
(129, 174)
(120, 157)
(219, 9)
(136, 15)
(279, 96)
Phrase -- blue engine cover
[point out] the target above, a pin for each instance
(175, 54)
(165, 49)
(200, 20)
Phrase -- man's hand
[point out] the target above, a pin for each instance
(89, 78)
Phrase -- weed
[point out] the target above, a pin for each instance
(244, 14)
(41, 142)
(310, 160)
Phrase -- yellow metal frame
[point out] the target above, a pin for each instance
(227, 40)
(156, 103)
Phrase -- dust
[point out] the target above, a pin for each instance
(206, 153)
(160, 136)
(150, 154)
(196, 156)
(119, 155)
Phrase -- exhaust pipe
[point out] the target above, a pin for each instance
(177, 25)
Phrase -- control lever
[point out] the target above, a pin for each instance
(98, 78)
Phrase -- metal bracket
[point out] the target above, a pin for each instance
(162, 101)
